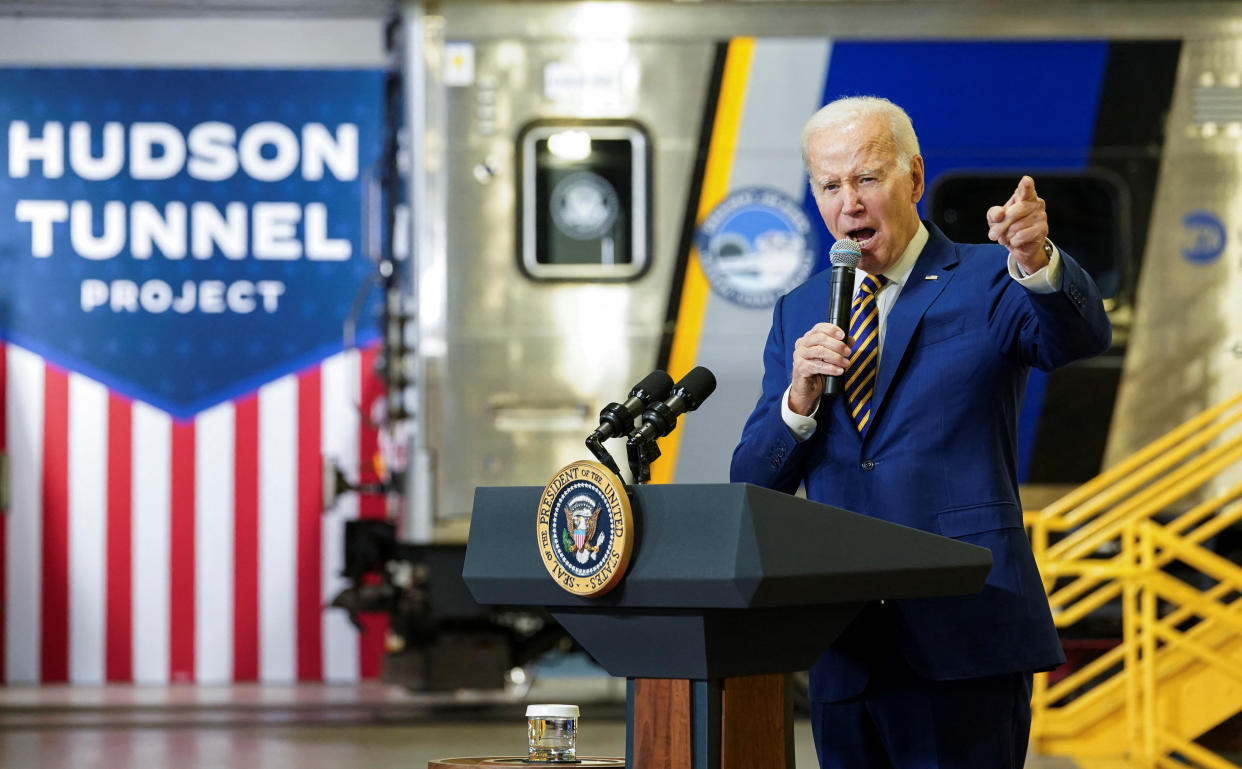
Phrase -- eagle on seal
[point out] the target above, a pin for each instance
(582, 518)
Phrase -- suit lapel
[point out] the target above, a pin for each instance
(938, 257)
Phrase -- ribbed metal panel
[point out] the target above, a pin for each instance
(1217, 104)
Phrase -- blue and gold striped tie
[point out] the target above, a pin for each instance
(865, 345)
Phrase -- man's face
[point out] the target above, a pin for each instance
(861, 192)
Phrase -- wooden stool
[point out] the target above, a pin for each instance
(586, 762)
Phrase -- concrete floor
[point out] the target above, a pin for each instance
(297, 727)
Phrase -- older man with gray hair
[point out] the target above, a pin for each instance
(942, 336)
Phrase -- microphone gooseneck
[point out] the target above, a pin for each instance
(660, 418)
(620, 418)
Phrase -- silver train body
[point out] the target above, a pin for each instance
(548, 282)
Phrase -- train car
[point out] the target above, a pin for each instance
(550, 283)
(604, 189)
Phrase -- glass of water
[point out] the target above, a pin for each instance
(553, 733)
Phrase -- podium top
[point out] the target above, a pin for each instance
(723, 546)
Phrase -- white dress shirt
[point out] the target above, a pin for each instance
(1044, 281)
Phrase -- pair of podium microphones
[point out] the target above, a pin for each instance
(648, 414)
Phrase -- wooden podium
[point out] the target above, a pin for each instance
(730, 587)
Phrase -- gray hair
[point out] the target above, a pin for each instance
(854, 108)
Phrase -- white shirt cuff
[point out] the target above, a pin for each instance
(1043, 281)
(801, 427)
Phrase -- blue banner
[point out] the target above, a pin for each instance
(184, 236)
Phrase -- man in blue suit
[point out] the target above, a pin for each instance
(924, 435)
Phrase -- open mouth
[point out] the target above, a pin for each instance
(862, 236)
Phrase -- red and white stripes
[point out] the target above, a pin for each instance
(143, 548)
(23, 563)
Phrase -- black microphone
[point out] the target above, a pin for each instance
(661, 417)
(618, 418)
(845, 255)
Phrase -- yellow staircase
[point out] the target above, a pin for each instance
(1177, 671)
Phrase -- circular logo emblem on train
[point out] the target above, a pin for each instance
(1203, 237)
(584, 205)
(755, 246)
(585, 529)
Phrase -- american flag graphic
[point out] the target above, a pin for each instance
(142, 548)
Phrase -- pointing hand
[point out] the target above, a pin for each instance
(1021, 225)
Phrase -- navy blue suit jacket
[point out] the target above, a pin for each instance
(940, 453)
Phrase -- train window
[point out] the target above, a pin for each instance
(1088, 216)
(584, 210)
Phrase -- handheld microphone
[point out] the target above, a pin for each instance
(618, 418)
(845, 255)
(661, 417)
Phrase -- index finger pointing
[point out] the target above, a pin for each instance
(1026, 189)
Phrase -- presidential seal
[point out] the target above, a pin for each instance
(755, 246)
(585, 528)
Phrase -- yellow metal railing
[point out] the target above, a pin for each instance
(1118, 541)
